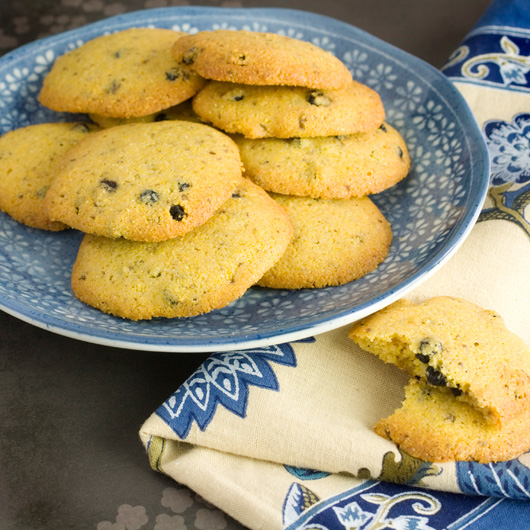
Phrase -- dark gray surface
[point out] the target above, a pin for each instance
(430, 29)
(70, 456)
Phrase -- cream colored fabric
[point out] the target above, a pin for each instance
(321, 418)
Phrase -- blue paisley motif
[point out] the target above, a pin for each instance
(509, 146)
(503, 479)
(224, 378)
(493, 56)
(376, 505)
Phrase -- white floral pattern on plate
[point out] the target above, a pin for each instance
(431, 211)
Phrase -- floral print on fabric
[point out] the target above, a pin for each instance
(225, 379)
(501, 479)
(509, 147)
(378, 505)
(494, 57)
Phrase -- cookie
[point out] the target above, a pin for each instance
(289, 112)
(336, 241)
(198, 272)
(145, 181)
(454, 344)
(327, 166)
(124, 74)
(183, 111)
(28, 161)
(257, 58)
(435, 427)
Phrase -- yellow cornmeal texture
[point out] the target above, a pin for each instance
(125, 74)
(289, 112)
(24, 180)
(258, 58)
(434, 426)
(337, 167)
(145, 181)
(336, 241)
(183, 111)
(203, 270)
(453, 343)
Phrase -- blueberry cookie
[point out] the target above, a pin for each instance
(462, 356)
(435, 427)
(24, 179)
(145, 181)
(335, 241)
(183, 111)
(257, 58)
(124, 74)
(327, 166)
(198, 272)
(289, 112)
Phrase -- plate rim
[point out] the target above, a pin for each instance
(293, 333)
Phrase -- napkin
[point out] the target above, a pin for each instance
(281, 436)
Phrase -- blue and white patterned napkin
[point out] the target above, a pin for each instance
(280, 436)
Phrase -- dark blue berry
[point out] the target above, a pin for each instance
(109, 185)
(177, 212)
(149, 197)
(435, 377)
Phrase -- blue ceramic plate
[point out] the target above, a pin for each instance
(431, 212)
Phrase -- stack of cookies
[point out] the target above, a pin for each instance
(172, 228)
(311, 136)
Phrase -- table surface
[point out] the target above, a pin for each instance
(70, 456)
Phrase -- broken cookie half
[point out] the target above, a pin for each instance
(469, 393)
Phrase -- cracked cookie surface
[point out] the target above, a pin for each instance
(434, 426)
(467, 369)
